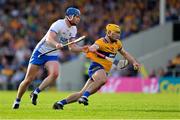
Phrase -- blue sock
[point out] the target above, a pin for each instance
(63, 102)
(37, 91)
(86, 94)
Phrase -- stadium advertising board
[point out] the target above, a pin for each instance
(131, 84)
(169, 85)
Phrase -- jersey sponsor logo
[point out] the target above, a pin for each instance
(63, 40)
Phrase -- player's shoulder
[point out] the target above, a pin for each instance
(100, 42)
(100, 39)
(119, 41)
(74, 28)
(60, 22)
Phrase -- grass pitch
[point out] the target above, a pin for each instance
(101, 106)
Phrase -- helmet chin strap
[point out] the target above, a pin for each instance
(111, 39)
(70, 19)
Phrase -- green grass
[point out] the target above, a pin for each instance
(101, 106)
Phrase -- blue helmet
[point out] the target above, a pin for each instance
(71, 11)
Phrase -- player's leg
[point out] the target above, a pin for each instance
(73, 97)
(99, 78)
(53, 72)
(30, 75)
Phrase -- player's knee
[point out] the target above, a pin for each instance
(26, 82)
(103, 81)
(54, 75)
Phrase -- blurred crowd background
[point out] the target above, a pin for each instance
(23, 23)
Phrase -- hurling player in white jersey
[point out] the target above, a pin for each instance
(60, 32)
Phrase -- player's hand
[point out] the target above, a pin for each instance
(136, 66)
(85, 49)
(92, 49)
(59, 46)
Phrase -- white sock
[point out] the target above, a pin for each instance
(59, 102)
(35, 92)
(16, 102)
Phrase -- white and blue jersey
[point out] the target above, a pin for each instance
(64, 33)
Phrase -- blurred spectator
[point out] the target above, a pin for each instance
(173, 10)
(152, 74)
(161, 72)
(176, 60)
(17, 77)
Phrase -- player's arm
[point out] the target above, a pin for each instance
(52, 35)
(86, 48)
(130, 58)
(94, 47)
(51, 39)
(74, 47)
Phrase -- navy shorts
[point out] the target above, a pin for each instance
(42, 60)
(93, 68)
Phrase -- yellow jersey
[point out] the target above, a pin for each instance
(106, 48)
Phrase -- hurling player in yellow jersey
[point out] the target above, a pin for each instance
(109, 46)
